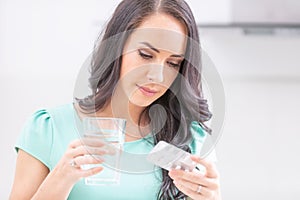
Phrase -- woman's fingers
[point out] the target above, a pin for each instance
(188, 191)
(192, 188)
(93, 142)
(81, 160)
(195, 184)
(211, 170)
(193, 177)
(90, 172)
(86, 150)
(75, 143)
(87, 159)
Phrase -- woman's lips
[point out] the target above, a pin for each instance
(147, 91)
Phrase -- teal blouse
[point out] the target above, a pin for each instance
(48, 132)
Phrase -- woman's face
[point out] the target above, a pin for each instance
(151, 58)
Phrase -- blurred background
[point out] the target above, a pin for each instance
(254, 44)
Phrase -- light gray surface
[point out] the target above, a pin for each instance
(258, 150)
(266, 11)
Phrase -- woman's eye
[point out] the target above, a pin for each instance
(174, 64)
(144, 55)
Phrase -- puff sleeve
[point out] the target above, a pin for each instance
(36, 137)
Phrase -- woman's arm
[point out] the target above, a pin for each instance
(34, 181)
(29, 175)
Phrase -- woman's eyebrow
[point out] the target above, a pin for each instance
(150, 46)
(154, 49)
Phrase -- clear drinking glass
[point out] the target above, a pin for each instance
(111, 132)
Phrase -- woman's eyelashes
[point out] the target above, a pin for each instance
(174, 64)
(147, 56)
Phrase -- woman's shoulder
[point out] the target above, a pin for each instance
(46, 119)
(38, 133)
(54, 114)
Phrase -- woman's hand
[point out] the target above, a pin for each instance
(196, 185)
(33, 180)
(80, 152)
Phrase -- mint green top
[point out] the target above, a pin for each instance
(48, 132)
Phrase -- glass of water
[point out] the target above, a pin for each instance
(110, 131)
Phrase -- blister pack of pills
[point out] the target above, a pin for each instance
(168, 157)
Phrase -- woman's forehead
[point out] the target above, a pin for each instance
(161, 39)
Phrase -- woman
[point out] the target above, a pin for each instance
(148, 74)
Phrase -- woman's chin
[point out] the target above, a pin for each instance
(140, 102)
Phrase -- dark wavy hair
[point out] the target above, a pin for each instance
(180, 109)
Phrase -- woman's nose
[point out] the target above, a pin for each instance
(155, 73)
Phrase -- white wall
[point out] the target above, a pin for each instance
(212, 11)
(258, 152)
(42, 47)
(44, 43)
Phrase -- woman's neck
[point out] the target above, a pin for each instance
(136, 121)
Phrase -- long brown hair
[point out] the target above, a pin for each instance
(182, 108)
